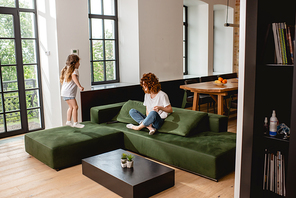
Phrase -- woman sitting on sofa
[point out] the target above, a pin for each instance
(157, 105)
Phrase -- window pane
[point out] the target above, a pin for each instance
(1, 105)
(1, 124)
(32, 99)
(98, 50)
(110, 70)
(7, 51)
(109, 7)
(96, 28)
(11, 101)
(184, 54)
(109, 29)
(7, 3)
(27, 20)
(184, 65)
(34, 119)
(6, 26)
(30, 75)
(184, 14)
(9, 77)
(110, 50)
(96, 6)
(26, 4)
(184, 32)
(13, 121)
(98, 71)
(29, 52)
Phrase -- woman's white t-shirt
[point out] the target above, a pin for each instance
(161, 99)
(69, 89)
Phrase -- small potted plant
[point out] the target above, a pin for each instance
(129, 162)
(123, 160)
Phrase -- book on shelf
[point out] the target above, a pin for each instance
(284, 42)
(274, 172)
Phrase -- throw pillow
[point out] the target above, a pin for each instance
(183, 122)
(124, 116)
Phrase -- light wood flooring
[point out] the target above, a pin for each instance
(21, 175)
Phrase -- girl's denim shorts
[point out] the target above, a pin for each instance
(68, 98)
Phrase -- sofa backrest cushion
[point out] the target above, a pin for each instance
(181, 122)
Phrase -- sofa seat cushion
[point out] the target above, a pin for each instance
(65, 146)
(211, 154)
(180, 122)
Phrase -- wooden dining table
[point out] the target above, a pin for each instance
(217, 92)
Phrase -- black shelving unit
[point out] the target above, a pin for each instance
(268, 87)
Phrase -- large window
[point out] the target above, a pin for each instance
(185, 45)
(20, 84)
(103, 41)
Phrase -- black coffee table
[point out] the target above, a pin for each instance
(145, 179)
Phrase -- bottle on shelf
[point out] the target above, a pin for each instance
(265, 126)
(273, 124)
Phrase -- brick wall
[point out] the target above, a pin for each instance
(236, 37)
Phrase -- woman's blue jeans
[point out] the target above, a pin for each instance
(152, 118)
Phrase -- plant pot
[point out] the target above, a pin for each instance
(123, 165)
(130, 164)
(123, 161)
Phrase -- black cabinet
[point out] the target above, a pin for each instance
(268, 86)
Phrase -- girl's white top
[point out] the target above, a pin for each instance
(161, 99)
(69, 89)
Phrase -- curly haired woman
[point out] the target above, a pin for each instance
(157, 105)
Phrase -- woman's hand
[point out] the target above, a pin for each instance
(81, 88)
(167, 109)
(157, 108)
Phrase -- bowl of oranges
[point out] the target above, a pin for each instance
(220, 81)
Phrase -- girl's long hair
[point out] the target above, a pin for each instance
(66, 73)
(152, 82)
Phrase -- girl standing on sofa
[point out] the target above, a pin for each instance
(157, 106)
(70, 81)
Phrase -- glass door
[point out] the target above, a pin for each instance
(20, 90)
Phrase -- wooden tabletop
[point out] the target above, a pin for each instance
(211, 87)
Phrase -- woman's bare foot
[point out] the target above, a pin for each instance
(137, 128)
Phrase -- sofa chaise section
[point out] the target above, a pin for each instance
(65, 146)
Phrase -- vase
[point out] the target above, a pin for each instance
(123, 165)
(129, 164)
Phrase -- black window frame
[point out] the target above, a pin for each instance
(15, 12)
(185, 42)
(103, 17)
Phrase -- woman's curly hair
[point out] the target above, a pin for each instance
(151, 81)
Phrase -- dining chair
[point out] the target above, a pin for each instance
(203, 98)
(228, 76)
(232, 95)
(208, 78)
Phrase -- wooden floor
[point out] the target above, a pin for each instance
(24, 176)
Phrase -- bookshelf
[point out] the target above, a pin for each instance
(268, 86)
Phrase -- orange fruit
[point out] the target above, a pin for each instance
(220, 79)
(224, 81)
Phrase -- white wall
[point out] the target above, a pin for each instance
(198, 37)
(128, 25)
(72, 32)
(62, 26)
(160, 38)
(49, 64)
(223, 40)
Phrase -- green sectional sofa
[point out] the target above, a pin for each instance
(194, 141)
